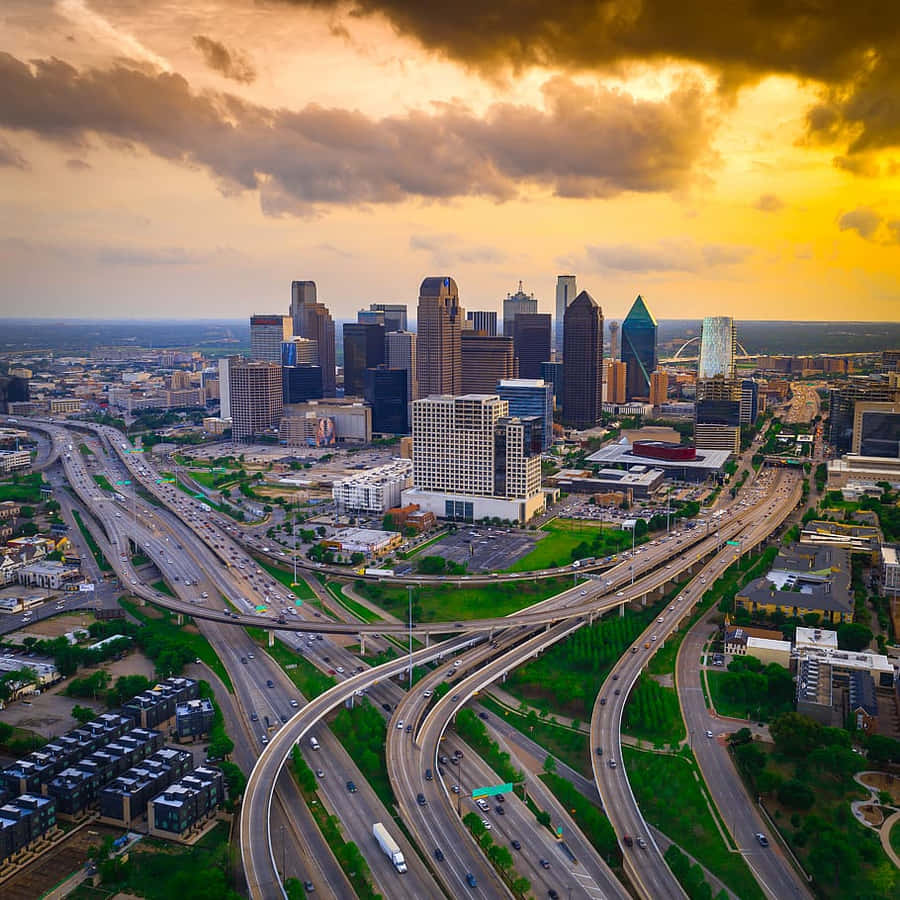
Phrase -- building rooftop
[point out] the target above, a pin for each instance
(621, 453)
(815, 637)
(862, 693)
(767, 644)
(814, 683)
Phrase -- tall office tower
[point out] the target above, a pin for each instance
(552, 373)
(843, 399)
(513, 305)
(225, 387)
(528, 397)
(718, 341)
(312, 320)
(438, 353)
(471, 460)
(531, 340)
(659, 387)
(299, 351)
(485, 361)
(615, 375)
(484, 321)
(301, 383)
(613, 340)
(565, 294)
(256, 397)
(386, 391)
(583, 362)
(639, 349)
(363, 349)
(876, 429)
(394, 315)
(370, 317)
(266, 336)
(749, 401)
(400, 353)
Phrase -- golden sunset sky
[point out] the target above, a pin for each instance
(162, 158)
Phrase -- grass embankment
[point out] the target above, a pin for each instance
(567, 540)
(22, 488)
(363, 613)
(362, 732)
(653, 714)
(596, 827)
(159, 870)
(672, 799)
(93, 546)
(104, 484)
(163, 588)
(441, 603)
(301, 590)
(745, 695)
(170, 645)
(309, 680)
(84, 450)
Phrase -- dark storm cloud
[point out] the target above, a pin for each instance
(862, 220)
(583, 143)
(852, 48)
(231, 63)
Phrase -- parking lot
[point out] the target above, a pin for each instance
(484, 549)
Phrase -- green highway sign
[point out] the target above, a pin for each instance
(492, 791)
(200, 496)
(734, 543)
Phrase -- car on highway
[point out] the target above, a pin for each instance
(470, 880)
(352, 788)
(270, 683)
(603, 701)
(420, 799)
(611, 763)
(553, 894)
(641, 843)
(709, 734)
(320, 773)
(545, 864)
(762, 839)
(487, 825)
(516, 845)
(599, 751)
(438, 854)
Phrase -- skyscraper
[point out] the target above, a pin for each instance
(583, 362)
(301, 383)
(266, 336)
(513, 304)
(613, 340)
(256, 397)
(485, 361)
(718, 340)
(299, 351)
(639, 349)
(565, 294)
(225, 387)
(400, 353)
(483, 321)
(312, 320)
(530, 397)
(531, 336)
(438, 352)
(385, 390)
(363, 349)
(394, 315)
(659, 387)
(552, 373)
(614, 378)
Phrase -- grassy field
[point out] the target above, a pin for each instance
(103, 481)
(302, 589)
(102, 561)
(565, 535)
(363, 613)
(309, 680)
(22, 489)
(653, 714)
(671, 799)
(445, 602)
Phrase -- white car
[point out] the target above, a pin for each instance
(400, 725)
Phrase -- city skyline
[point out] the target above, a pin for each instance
(163, 158)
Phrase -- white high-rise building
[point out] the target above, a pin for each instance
(266, 336)
(225, 388)
(566, 292)
(471, 460)
(256, 397)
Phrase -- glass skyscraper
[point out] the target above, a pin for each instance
(717, 346)
(638, 349)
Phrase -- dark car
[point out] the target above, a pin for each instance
(438, 854)
(516, 845)
(603, 701)
(386, 707)
(616, 677)
(500, 811)
(544, 863)
(352, 787)
(409, 729)
(254, 717)
(308, 887)
(420, 799)
(428, 775)
(552, 894)
(270, 683)
(599, 751)
(470, 880)
(617, 691)
(482, 715)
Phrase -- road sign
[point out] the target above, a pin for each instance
(492, 791)
(86, 587)
(126, 481)
(734, 543)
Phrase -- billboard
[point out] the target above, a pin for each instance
(326, 433)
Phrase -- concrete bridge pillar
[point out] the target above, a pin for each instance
(644, 597)
(362, 645)
(621, 610)
(271, 638)
(427, 639)
(179, 619)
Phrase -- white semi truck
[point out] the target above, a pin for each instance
(389, 847)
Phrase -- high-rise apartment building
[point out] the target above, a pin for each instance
(363, 349)
(438, 353)
(400, 353)
(394, 315)
(614, 340)
(483, 321)
(385, 391)
(659, 387)
(256, 397)
(583, 362)
(531, 341)
(615, 375)
(565, 294)
(749, 401)
(225, 387)
(530, 397)
(485, 361)
(639, 349)
(472, 460)
(312, 320)
(266, 336)
(513, 305)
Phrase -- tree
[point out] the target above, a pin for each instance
(387, 523)
(83, 714)
(853, 636)
(883, 749)
(796, 794)
(795, 734)
(549, 765)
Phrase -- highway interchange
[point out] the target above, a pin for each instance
(198, 555)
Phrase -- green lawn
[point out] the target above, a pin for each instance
(653, 714)
(449, 602)
(162, 587)
(22, 488)
(102, 561)
(309, 680)
(103, 481)
(671, 799)
(302, 589)
(565, 535)
(357, 609)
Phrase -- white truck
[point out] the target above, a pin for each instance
(389, 847)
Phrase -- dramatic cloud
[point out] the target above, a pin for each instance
(769, 203)
(11, 157)
(584, 142)
(853, 48)
(663, 256)
(231, 63)
(447, 250)
(863, 221)
(77, 165)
